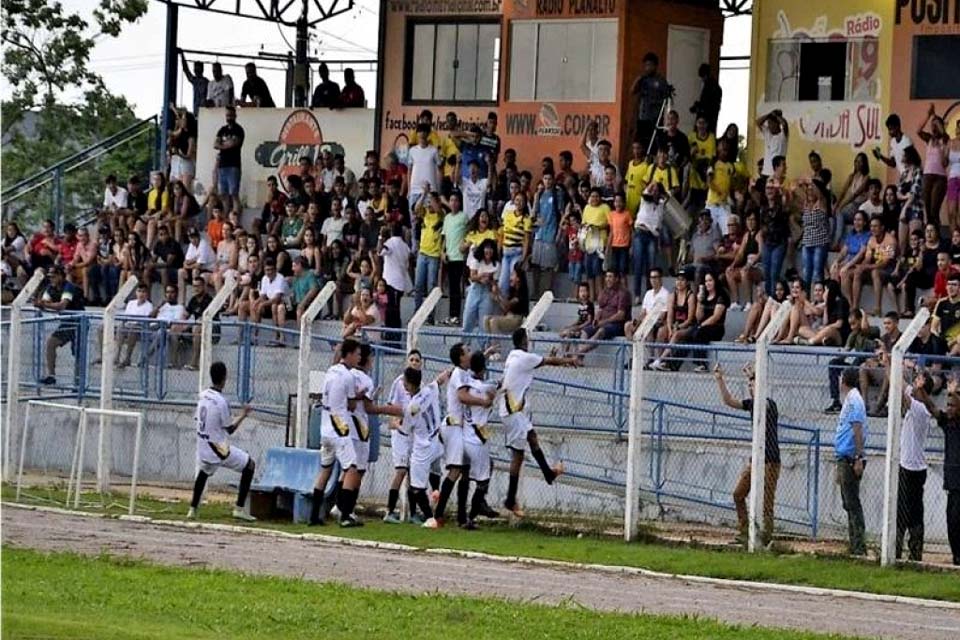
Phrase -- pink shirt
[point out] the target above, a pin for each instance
(933, 162)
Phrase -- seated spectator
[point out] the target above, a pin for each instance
(303, 289)
(835, 326)
(944, 268)
(200, 260)
(132, 217)
(68, 245)
(862, 339)
(712, 304)
(361, 273)
(746, 268)
(907, 263)
(134, 258)
(852, 251)
(946, 315)
(877, 266)
(167, 258)
(482, 266)
(228, 254)
(130, 331)
(44, 247)
(273, 209)
(311, 251)
(158, 207)
(172, 315)
(514, 305)
(114, 202)
(332, 229)
(84, 259)
(184, 210)
(656, 295)
(274, 250)
(15, 251)
(59, 296)
(613, 310)
(804, 312)
(335, 268)
(681, 316)
(922, 273)
(761, 311)
(215, 225)
(293, 227)
(585, 315)
(362, 313)
(248, 290)
(105, 274)
(704, 245)
(270, 296)
(729, 245)
(370, 227)
(874, 372)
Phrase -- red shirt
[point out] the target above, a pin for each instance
(574, 252)
(38, 245)
(397, 173)
(68, 250)
(940, 282)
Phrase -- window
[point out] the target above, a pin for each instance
(821, 70)
(452, 62)
(934, 65)
(563, 60)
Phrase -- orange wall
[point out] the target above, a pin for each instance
(642, 28)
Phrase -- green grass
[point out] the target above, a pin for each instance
(500, 539)
(67, 596)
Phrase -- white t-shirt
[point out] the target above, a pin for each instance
(171, 312)
(419, 416)
(458, 379)
(17, 248)
(396, 260)
(116, 200)
(278, 287)
(913, 437)
(134, 308)
(212, 417)
(773, 145)
(476, 417)
(220, 91)
(339, 387)
(332, 229)
(651, 299)
(363, 385)
(650, 215)
(424, 167)
(517, 378)
(871, 209)
(896, 150)
(474, 195)
(202, 253)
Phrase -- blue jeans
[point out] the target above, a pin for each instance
(478, 305)
(229, 181)
(814, 259)
(644, 258)
(773, 257)
(107, 276)
(425, 277)
(575, 270)
(511, 256)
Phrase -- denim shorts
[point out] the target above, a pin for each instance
(229, 181)
(593, 265)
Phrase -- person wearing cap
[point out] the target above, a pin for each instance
(58, 296)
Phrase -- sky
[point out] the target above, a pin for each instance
(132, 64)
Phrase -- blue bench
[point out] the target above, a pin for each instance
(286, 486)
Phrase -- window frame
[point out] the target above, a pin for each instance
(798, 43)
(915, 61)
(410, 29)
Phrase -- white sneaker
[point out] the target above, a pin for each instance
(240, 514)
(659, 365)
(736, 306)
(747, 306)
(335, 512)
(192, 514)
(431, 523)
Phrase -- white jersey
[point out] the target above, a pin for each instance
(212, 418)
(476, 418)
(339, 387)
(913, 436)
(517, 378)
(363, 385)
(420, 416)
(459, 379)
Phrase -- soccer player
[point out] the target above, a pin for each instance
(517, 377)
(423, 421)
(214, 424)
(336, 445)
(400, 443)
(476, 434)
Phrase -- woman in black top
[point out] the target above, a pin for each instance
(836, 319)
(275, 250)
(776, 236)
(182, 146)
(919, 267)
(515, 305)
(184, 208)
(891, 209)
(712, 305)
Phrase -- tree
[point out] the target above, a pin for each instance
(46, 61)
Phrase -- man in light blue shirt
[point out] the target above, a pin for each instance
(848, 444)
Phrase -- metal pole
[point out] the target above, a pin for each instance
(631, 510)
(303, 361)
(108, 348)
(761, 391)
(206, 328)
(14, 340)
(170, 70)
(300, 87)
(891, 467)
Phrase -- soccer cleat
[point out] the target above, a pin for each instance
(416, 519)
(350, 521)
(392, 518)
(659, 365)
(318, 522)
(431, 523)
(48, 380)
(469, 525)
(240, 514)
(335, 512)
(489, 512)
(833, 408)
(192, 514)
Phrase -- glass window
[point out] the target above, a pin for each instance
(821, 70)
(934, 67)
(452, 62)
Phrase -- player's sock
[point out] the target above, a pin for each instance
(334, 499)
(392, 498)
(479, 499)
(422, 501)
(512, 486)
(246, 478)
(446, 488)
(548, 474)
(198, 486)
(463, 492)
(434, 481)
(349, 502)
(341, 501)
(316, 505)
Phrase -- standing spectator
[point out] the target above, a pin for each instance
(776, 135)
(453, 232)
(352, 94)
(182, 147)
(935, 164)
(875, 372)
(613, 311)
(396, 273)
(816, 230)
(483, 264)
(708, 105)
(600, 163)
(44, 247)
(879, 261)
(646, 235)
(953, 179)
(621, 236)
(14, 252)
(910, 195)
(771, 459)
(776, 220)
(199, 82)
(848, 444)
(256, 89)
(651, 90)
(220, 89)
(396, 172)
(468, 144)
(516, 226)
(593, 239)
(429, 212)
(327, 93)
(674, 142)
(131, 331)
(477, 188)
(703, 149)
(913, 466)
(229, 144)
(949, 420)
(899, 142)
(549, 208)
(514, 305)
(489, 140)
(362, 313)
(424, 167)
(158, 207)
(58, 296)
(720, 178)
(635, 176)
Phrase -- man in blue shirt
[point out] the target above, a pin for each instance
(549, 208)
(471, 151)
(848, 444)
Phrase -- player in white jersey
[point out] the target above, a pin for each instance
(400, 442)
(336, 445)
(476, 435)
(214, 424)
(423, 423)
(517, 377)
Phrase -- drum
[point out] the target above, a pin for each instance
(675, 217)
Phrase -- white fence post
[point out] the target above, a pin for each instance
(420, 317)
(758, 452)
(538, 311)
(631, 511)
(303, 362)
(891, 471)
(206, 328)
(107, 350)
(14, 340)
